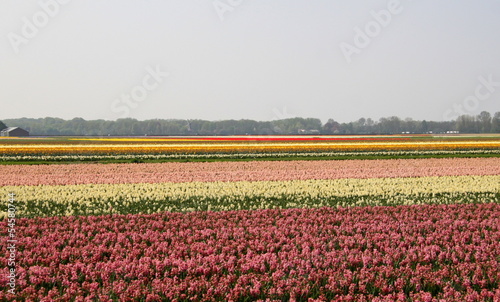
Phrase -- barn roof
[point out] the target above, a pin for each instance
(10, 129)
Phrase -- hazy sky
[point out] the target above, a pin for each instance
(249, 59)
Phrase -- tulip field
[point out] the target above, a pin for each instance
(42, 150)
(375, 218)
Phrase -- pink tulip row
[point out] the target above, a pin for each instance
(424, 253)
(243, 171)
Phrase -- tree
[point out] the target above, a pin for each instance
(360, 126)
(495, 123)
(331, 127)
(484, 119)
(424, 127)
(467, 124)
(207, 128)
(484, 122)
(409, 125)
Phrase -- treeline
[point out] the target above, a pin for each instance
(482, 123)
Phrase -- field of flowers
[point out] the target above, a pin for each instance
(100, 199)
(72, 174)
(418, 253)
(399, 229)
(141, 149)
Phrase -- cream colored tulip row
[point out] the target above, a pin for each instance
(174, 156)
(192, 196)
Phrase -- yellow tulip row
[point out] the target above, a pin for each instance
(242, 147)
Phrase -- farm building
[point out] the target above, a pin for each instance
(311, 131)
(14, 131)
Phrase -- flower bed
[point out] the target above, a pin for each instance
(427, 252)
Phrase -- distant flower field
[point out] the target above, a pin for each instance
(219, 148)
(417, 219)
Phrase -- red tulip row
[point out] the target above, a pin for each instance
(13, 175)
(424, 253)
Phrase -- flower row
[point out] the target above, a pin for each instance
(216, 156)
(243, 171)
(93, 199)
(363, 254)
(203, 148)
